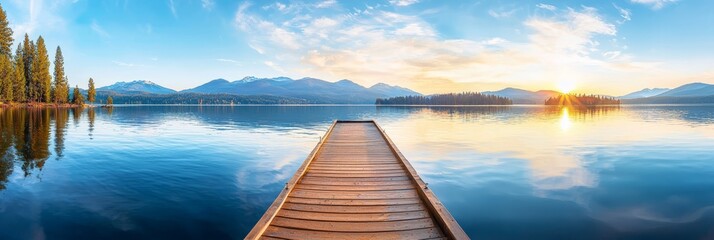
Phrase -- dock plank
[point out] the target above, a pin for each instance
(356, 185)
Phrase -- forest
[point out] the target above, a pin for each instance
(25, 74)
(465, 98)
(581, 100)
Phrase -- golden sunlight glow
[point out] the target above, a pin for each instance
(566, 86)
(565, 123)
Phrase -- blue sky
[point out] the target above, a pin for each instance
(610, 47)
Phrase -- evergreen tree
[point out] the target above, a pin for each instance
(91, 93)
(28, 55)
(19, 80)
(77, 97)
(41, 71)
(5, 34)
(59, 85)
(6, 79)
(66, 88)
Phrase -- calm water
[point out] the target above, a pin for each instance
(161, 172)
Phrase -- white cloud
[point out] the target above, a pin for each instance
(546, 6)
(207, 4)
(274, 33)
(612, 54)
(404, 49)
(99, 30)
(415, 29)
(402, 3)
(274, 66)
(624, 13)
(37, 16)
(572, 33)
(326, 4)
(501, 14)
(124, 64)
(494, 41)
(655, 4)
(232, 61)
(172, 7)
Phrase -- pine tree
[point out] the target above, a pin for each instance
(41, 71)
(60, 91)
(5, 34)
(91, 93)
(77, 97)
(28, 55)
(19, 80)
(6, 79)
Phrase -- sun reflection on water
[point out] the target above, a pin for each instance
(565, 122)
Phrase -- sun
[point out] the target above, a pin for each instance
(566, 86)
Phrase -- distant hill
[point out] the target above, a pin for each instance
(647, 92)
(690, 90)
(310, 89)
(520, 96)
(692, 93)
(136, 87)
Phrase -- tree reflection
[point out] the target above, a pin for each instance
(25, 138)
(90, 115)
(61, 119)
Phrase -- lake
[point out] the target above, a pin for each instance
(209, 172)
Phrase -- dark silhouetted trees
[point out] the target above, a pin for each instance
(582, 100)
(465, 98)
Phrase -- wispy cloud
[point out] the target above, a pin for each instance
(99, 30)
(655, 4)
(172, 7)
(373, 44)
(232, 61)
(37, 15)
(326, 4)
(546, 6)
(624, 13)
(124, 64)
(274, 66)
(501, 13)
(208, 4)
(402, 3)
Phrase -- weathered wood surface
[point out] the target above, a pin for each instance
(356, 185)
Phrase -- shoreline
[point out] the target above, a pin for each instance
(43, 105)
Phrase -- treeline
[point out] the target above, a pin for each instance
(25, 75)
(198, 98)
(582, 99)
(465, 98)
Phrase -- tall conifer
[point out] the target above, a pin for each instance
(41, 71)
(59, 85)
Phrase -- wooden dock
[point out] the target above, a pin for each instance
(355, 184)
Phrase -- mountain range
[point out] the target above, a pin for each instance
(310, 90)
(136, 87)
(691, 93)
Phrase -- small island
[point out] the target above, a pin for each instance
(465, 98)
(581, 100)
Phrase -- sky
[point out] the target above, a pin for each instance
(431, 46)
